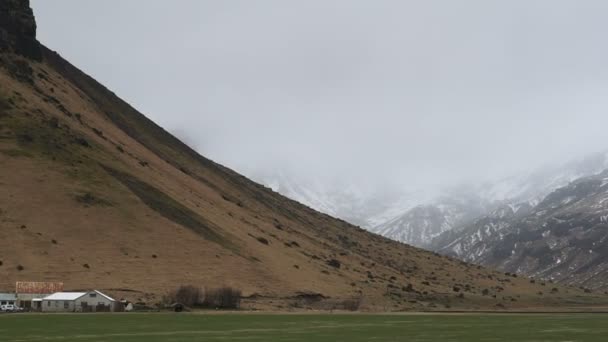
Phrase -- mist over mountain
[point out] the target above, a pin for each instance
(418, 217)
(406, 95)
(360, 205)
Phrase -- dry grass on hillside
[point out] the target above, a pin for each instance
(95, 195)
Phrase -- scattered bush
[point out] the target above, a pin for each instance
(20, 268)
(188, 295)
(334, 263)
(352, 304)
(215, 298)
(222, 298)
(89, 199)
(53, 122)
(262, 240)
(82, 142)
(278, 224)
(98, 132)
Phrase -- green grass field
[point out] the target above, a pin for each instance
(289, 327)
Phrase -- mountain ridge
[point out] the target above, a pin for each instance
(561, 238)
(419, 217)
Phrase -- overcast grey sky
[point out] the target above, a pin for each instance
(411, 92)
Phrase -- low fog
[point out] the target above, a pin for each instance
(374, 93)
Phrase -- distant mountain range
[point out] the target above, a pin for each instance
(419, 217)
(547, 223)
(460, 206)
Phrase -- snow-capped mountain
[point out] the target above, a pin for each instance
(437, 224)
(426, 219)
(564, 237)
(514, 197)
(418, 226)
(467, 242)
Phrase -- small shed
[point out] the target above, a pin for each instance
(91, 301)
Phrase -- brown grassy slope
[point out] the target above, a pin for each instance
(94, 194)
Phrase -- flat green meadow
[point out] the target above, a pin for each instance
(303, 327)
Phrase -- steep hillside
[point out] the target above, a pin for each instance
(564, 237)
(94, 194)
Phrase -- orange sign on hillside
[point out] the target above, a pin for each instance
(35, 287)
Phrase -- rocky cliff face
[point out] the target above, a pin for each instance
(18, 29)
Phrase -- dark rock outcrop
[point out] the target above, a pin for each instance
(18, 29)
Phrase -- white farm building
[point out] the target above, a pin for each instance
(91, 301)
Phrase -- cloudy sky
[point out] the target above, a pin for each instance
(400, 92)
